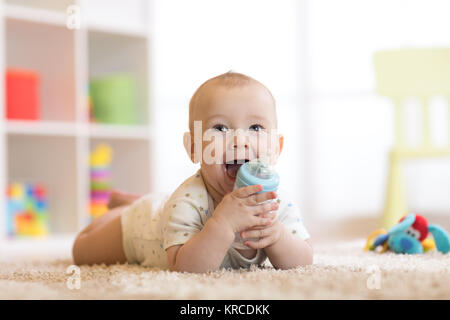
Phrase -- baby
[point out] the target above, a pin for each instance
(194, 228)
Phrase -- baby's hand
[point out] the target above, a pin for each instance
(239, 209)
(266, 236)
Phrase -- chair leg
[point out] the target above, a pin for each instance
(396, 206)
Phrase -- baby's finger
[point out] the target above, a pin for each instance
(256, 228)
(257, 233)
(256, 199)
(272, 215)
(260, 243)
(264, 208)
(244, 192)
(257, 221)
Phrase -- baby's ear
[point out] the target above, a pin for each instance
(189, 145)
(278, 140)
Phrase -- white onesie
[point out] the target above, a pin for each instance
(156, 222)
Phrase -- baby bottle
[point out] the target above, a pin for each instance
(257, 171)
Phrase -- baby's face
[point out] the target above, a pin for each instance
(243, 118)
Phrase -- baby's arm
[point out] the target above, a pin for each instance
(204, 251)
(284, 241)
(289, 251)
(237, 211)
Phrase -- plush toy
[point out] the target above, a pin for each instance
(409, 235)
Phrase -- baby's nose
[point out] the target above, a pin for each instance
(240, 141)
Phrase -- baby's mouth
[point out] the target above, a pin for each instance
(232, 167)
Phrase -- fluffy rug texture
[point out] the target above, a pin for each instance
(341, 270)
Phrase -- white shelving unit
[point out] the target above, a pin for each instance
(55, 150)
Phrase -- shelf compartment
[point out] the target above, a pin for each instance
(117, 54)
(53, 57)
(130, 165)
(52, 162)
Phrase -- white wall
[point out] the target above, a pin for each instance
(323, 64)
(196, 40)
(352, 128)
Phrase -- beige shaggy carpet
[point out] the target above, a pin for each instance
(341, 270)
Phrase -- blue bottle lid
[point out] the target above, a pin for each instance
(257, 172)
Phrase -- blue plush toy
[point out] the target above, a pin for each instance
(410, 236)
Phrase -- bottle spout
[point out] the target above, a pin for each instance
(261, 168)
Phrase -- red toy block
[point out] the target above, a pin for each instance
(39, 192)
(22, 94)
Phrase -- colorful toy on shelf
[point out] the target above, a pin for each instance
(409, 235)
(27, 210)
(100, 173)
(22, 94)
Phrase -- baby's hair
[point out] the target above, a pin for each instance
(228, 79)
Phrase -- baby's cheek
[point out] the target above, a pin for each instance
(211, 155)
(266, 144)
(213, 148)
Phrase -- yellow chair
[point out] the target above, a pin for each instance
(421, 73)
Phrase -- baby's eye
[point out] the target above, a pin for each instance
(256, 127)
(220, 127)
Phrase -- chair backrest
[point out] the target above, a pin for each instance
(416, 72)
(421, 73)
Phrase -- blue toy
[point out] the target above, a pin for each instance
(410, 236)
